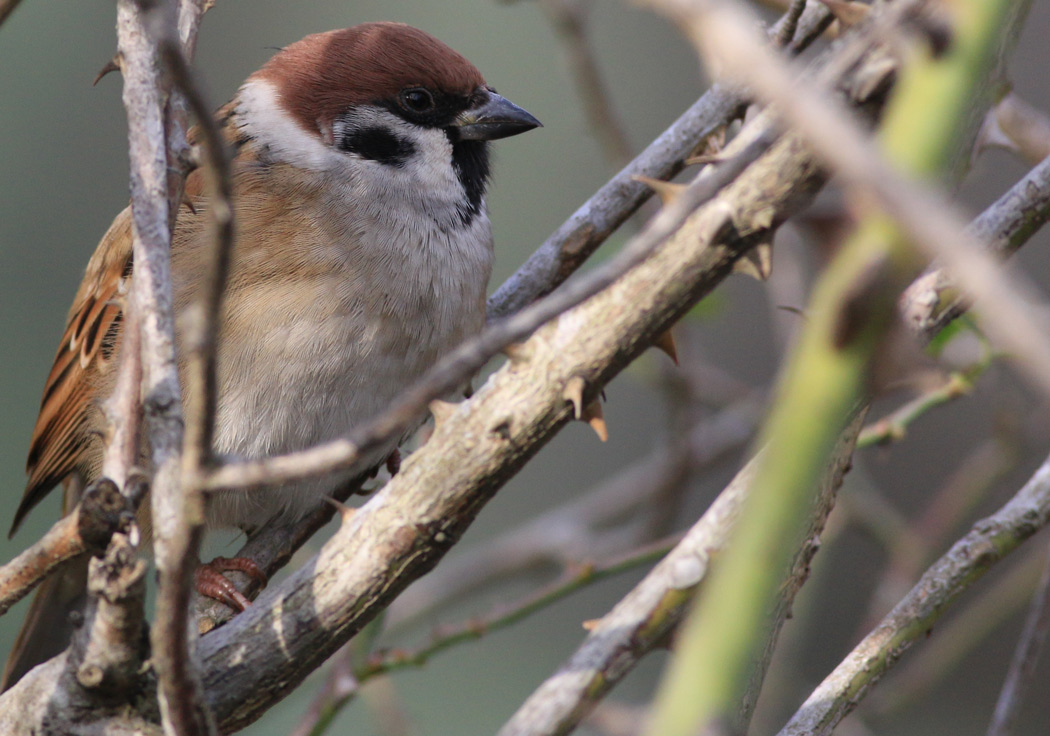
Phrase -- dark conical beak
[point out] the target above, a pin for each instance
(496, 117)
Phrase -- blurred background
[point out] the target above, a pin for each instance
(63, 156)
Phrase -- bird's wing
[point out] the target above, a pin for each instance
(62, 438)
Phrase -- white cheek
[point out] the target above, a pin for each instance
(262, 118)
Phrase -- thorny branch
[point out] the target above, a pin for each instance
(575, 537)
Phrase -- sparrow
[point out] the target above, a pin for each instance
(361, 255)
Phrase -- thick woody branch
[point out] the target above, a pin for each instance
(108, 649)
(102, 512)
(911, 620)
(92, 687)
(578, 538)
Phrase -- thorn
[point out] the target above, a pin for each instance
(592, 414)
(704, 159)
(393, 462)
(345, 512)
(517, 352)
(666, 190)
(441, 410)
(847, 13)
(113, 65)
(591, 624)
(574, 392)
(665, 343)
(756, 263)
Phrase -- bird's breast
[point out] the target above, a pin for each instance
(326, 334)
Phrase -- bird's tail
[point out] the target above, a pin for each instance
(48, 627)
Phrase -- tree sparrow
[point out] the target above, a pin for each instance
(362, 254)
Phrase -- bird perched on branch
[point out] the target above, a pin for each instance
(361, 255)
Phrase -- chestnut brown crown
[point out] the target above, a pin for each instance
(322, 75)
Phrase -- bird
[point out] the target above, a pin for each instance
(361, 255)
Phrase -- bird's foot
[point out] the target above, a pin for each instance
(210, 581)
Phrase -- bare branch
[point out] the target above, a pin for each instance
(108, 650)
(956, 638)
(911, 620)
(140, 24)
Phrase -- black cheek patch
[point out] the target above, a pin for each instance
(470, 159)
(377, 144)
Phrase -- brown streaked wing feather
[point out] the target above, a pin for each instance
(63, 440)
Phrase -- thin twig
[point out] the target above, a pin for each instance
(1003, 227)
(1022, 667)
(200, 334)
(576, 577)
(945, 652)
(202, 318)
(567, 17)
(894, 427)
(6, 8)
(140, 25)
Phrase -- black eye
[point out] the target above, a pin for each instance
(417, 99)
